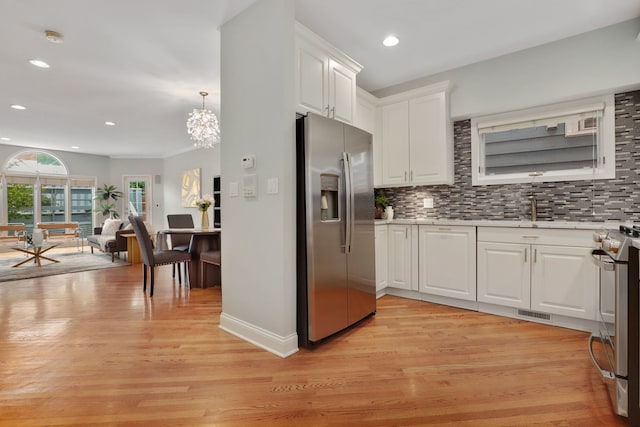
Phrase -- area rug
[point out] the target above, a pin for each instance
(70, 262)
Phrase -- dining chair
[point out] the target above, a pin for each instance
(151, 258)
(180, 242)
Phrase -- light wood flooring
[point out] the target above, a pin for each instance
(90, 349)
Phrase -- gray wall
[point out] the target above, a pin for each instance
(601, 61)
(208, 160)
(600, 200)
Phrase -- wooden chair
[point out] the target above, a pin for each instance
(151, 258)
(180, 242)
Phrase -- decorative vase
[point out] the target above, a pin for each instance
(204, 224)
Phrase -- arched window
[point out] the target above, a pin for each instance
(35, 186)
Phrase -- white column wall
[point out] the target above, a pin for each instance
(257, 117)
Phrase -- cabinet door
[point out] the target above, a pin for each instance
(399, 256)
(382, 259)
(447, 261)
(564, 281)
(430, 143)
(504, 274)
(395, 143)
(342, 92)
(313, 80)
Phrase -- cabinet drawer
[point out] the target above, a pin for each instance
(537, 236)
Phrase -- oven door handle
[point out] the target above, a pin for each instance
(596, 257)
(605, 374)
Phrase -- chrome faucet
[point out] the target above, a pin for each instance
(534, 208)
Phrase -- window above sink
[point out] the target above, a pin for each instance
(561, 142)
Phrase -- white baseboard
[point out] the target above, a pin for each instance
(278, 345)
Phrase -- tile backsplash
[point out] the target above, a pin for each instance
(599, 200)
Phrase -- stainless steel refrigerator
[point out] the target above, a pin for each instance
(335, 229)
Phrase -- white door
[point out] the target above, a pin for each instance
(399, 256)
(447, 261)
(138, 196)
(382, 259)
(504, 274)
(395, 143)
(428, 140)
(564, 281)
(313, 89)
(342, 92)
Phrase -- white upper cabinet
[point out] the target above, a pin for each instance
(326, 78)
(417, 137)
(395, 144)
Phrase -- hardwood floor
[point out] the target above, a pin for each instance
(90, 349)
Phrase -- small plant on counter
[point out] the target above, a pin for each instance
(381, 202)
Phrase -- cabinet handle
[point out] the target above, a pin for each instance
(328, 109)
(444, 229)
(525, 255)
(405, 176)
(333, 112)
(406, 233)
(530, 237)
(535, 255)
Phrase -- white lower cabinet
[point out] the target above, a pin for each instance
(401, 272)
(382, 251)
(447, 261)
(564, 281)
(548, 271)
(504, 274)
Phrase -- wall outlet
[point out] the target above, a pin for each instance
(427, 202)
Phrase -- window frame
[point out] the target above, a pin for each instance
(605, 168)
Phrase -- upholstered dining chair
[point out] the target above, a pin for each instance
(151, 258)
(180, 242)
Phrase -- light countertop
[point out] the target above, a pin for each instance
(505, 223)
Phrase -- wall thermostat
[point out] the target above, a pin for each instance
(248, 162)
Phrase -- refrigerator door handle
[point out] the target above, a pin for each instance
(348, 178)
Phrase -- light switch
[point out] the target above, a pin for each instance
(233, 189)
(250, 185)
(272, 186)
(427, 202)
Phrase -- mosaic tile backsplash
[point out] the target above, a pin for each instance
(599, 200)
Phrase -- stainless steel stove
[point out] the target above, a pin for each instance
(613, 256)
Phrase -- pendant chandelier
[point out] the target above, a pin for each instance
(202, 126)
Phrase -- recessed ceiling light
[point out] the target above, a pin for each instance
(75, 147)
(390, 41)
(4, 138)
(18, 107)
(38, 63)
(110, 123)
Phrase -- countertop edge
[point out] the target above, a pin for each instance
(504, 223)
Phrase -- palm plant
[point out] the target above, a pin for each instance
(104, 195)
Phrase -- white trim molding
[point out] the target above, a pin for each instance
(278, 345)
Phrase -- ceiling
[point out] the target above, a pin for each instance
(142, 63)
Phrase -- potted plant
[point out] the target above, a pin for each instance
(381, 201)
(104, 196)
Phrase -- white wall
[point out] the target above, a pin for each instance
(601, 61)
(208, 160)
(152, 167)
(257, 117)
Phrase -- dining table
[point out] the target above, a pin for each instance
(202, 240)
